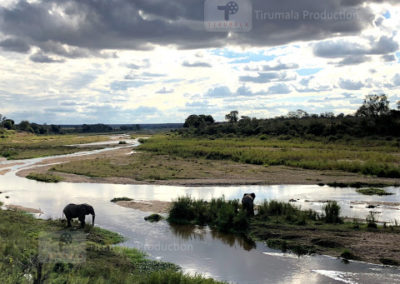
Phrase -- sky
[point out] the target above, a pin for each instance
(157, 61)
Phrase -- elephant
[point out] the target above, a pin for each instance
(78, 211)
(248, 203)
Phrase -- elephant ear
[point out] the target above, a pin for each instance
(253, 195)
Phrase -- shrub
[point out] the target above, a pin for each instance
(332, 212)
(225, 215)
(388, 261)
(116, 199)
(153, 218)
(373, 191)
(44, 177)
(347, 254)
(371, 221)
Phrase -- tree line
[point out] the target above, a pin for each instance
(32, 127)
(373, 117)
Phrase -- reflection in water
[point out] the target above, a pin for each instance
(195, 232)
(234, 240)
(188, 232)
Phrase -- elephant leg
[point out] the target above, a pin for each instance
(82, 220)
(69, 222)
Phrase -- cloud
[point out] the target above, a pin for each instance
(196, 64)
(280, 66)
(225, 92)
(164, 90)
(266, 77)
(43, 58)
(396, 80)
(353, 60)
(74, 28)
(354, 52)
(350, 85)
(219, 92)
(15, 44)
(279, 89)
(388, 57)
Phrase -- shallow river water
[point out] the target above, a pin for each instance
(200, 250)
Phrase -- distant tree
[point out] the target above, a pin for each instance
(2, 119)
(25, 126)
(398, 105)
(232, 117)
(374, 106)
(55, 128)
(8, 124)
(198, 121)
(298, 114)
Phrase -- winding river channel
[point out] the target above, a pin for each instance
(200, 250)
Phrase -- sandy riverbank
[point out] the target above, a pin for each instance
(214, 173)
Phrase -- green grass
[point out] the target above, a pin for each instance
(44, 177)
(368, 157)
(373, 191)
(116, 199)
(105, 263)
(17, 145)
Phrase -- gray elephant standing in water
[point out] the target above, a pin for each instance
(78, 211)
(248, 203)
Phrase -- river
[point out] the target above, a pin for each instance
(200, 250)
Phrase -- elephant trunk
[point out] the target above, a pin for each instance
(93, 216)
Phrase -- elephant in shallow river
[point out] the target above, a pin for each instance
(78, 211)
(248, 203)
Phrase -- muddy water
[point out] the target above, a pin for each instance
(199, 250)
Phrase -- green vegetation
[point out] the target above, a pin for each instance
(19, 257)
(145, 166)
(388, 261)
(44, 177)
(373, 191)
(364, 156)
(332, 212)
(347, 254)
(224, 215)
(15, 145)
(116, 199)
(153, 218)
(286, 227)
(374, 117)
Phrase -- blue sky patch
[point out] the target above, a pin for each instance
(243, 57)
(308, 71)
(387, 15)
(398, 56)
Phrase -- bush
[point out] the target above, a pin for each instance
(225, 215)
(371, 221)
(332, 212)
(347, 254)
(116, 199)
(153, 218)
(373, 191)
(44, 177)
